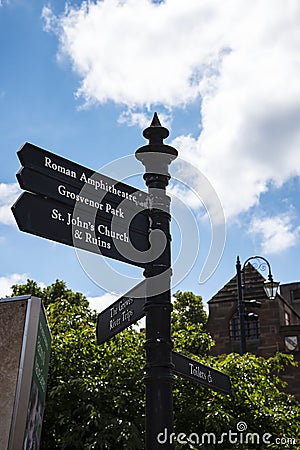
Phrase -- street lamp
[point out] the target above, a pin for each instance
(270, 287)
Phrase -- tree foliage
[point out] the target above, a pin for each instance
(188, 324)
(95, 394)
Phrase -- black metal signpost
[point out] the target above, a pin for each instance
(156, 157)
(76, 206)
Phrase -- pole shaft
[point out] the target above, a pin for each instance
(241, 307)
(156, 157)
(158, 370)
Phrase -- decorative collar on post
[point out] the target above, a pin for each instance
(156, 156)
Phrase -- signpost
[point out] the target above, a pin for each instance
(200, 373)
(121, 314)
(156, 157)
(73, 205)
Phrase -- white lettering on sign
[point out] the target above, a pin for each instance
(121, 312)
(85, 236)
(40, 376)
(114, 323)
(90, 239)
(113, 311)
(197, 372)
(125, 302)
(40, 351)
(127, 315)
(61, 169)
(62, 190)
(88, 225)
(98, 183)
(57, 215)
(114, 211)
(78, 222)
(104, 230)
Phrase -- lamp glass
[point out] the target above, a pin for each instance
(271, 288)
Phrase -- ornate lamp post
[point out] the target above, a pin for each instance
(270, 287)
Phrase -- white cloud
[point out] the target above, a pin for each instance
(8, 281)
(241, 59)
(134, 118)
(8, 195)
(278, 233)
(131, 117)
(136, 52)
(102, 302)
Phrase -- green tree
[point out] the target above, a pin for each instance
(189, 321)
(188, 309)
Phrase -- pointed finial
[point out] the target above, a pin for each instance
(155, 121)
(155, 133)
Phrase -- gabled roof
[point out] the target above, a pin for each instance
(254, 287)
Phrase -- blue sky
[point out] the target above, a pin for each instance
(83, 80)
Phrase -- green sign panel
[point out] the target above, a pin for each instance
(42, 356)
(38, 385)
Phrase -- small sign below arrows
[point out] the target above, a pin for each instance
(127, 310)
(205, 375)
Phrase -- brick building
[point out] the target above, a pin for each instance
(274, 327)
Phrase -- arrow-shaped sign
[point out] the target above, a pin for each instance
(125, 311)
(52, 165)
(196, 371)
(81, 229)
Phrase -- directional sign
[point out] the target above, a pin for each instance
(82, 229)
(66, 171)
(121, 314)
(196, 371)
(105, 206)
